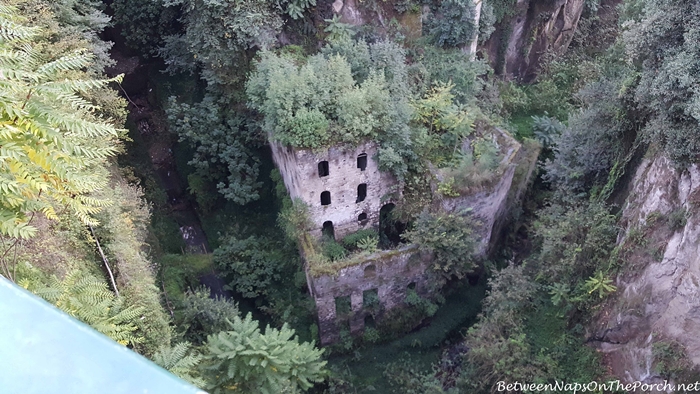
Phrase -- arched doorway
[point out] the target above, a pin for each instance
(328, 231)
(390, 229)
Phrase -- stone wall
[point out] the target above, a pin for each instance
(391, 272)
(388, 272)
(490, 204)
(300, 172)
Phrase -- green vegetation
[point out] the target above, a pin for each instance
(251, 263)
(450, 238)
(88, 299)
(53, 145)
(77, 228)
(319, 103)
(243, 359)
(454, 25)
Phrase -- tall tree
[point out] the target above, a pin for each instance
(243, 360)
(52, 140)
(662, 38)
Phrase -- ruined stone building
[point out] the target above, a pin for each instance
(342, 186)
(345, 192)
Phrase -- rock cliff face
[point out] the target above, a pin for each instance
(516, 46)
(514, 49)
(658, 296)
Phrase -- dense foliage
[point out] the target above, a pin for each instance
(222, 142)
(53, 143)
(419, 99)
(245, 360)
(454, 24)
(450, 237)
(253, 264)
(319, 104)
(661, 39)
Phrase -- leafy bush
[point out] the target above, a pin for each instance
(181, 272)
(201, 315)
(589, 147)
(450, 66)
(547, 129)
(475, 169)
(442, 125)
(89, 299)
(333, 250)
(451, 237)
(182, 361)
(371, 335)
(350, 241)
(671, 359)
(662, 38)
(251, 264)
(498, 346)
(487, 20)
(575, 242)
(144, 24)
(423, 305)
(222, 143)
(514, 98)
(677, 219)
(402, 6)
(273, 362)
(453, 26)
(217, 36)
(319, 103)
(406, 376)
(294, 219)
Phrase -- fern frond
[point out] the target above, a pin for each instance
(90, 300)
(75, 61)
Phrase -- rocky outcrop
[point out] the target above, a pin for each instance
(536, 27)
(658, 296)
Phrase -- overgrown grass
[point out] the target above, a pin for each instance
(562, 350)
(180, 273)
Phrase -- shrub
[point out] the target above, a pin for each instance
(351, 241)
(450, 237)
(677, 219)
(333, 250)
(201, 315)
(251, 265)
(670, 359)
(453, 26)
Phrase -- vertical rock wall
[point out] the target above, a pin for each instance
(535, 28)
(658, 291)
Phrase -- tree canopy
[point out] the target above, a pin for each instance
(52, 138)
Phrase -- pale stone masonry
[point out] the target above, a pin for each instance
(333, 191)
(327, 181)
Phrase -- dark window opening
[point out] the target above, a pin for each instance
(390, 229)
(326, 198)
(412, 286)
(369, 321)
(370, 271)
(328, 231)
(323, 169)
(362, 161)
(342, 306)
(361, 192)
(362, 218)
(370, 298)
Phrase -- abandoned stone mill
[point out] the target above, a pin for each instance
(345, 191)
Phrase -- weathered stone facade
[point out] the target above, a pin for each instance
(390, 273)
(386, 275)
(306, 179)
(490, 204)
